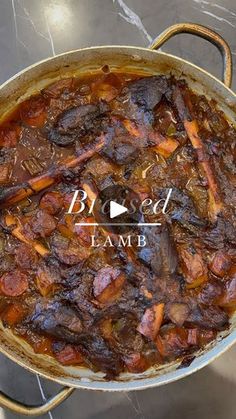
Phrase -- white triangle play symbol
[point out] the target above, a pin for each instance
(116, 209)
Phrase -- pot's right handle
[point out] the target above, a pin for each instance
(202, 32)
(23, 409)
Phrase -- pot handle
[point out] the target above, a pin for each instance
(202, 32)
(28, 410)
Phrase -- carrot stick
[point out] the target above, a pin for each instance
(183, 105)
(16, 232)
(214, 204)
(14, 194)
(140, 131)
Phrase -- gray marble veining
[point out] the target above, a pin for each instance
(31, 30)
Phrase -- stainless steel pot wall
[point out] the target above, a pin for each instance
(128, 59)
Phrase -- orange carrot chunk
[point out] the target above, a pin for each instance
(108, 284)
(13, 314)
(167, 147)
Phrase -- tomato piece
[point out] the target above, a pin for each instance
(26, 257)
(33, 111)
(69, 356)
(135, 363)
(13, 284)
(42, 345)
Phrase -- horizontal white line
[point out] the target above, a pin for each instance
(118, 224)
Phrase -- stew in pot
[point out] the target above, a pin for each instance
(70, 289)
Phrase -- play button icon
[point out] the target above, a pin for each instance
(116, 209)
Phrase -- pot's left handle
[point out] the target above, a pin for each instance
(23, 409)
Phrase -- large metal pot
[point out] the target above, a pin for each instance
(143, 61)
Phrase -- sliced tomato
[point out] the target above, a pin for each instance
(13, 284)
(69, 356)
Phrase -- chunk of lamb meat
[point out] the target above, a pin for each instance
(54, 90)
(97, 351)
(40, 225)
(138, 98)
(51, 202)
(211, 292)
(184, 211)
(46, 279)
(121, 150)
(63, 322)
(70, 252)
(56, 319)
(79, 292)
(172, 342)
(77, 122)
(160, 253)
(124, 339)
(221, 234)
(208, 317)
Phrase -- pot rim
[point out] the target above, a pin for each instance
(167, 377)
(116, 47)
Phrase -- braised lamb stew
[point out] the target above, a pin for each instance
(113, 308)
